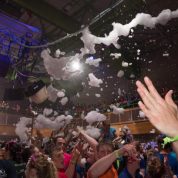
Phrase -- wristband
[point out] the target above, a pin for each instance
(117, 154)
(169, 140)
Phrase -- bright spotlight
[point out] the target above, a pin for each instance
(75, 65)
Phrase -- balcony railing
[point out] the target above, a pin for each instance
(128, 116)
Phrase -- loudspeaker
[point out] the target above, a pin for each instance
(11, 94)
(4, 65)
(37, 92)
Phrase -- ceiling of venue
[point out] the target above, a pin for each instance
(57, 18)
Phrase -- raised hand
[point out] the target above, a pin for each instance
(127, 150)
(170, 102)
(75, 155)
(162, 113)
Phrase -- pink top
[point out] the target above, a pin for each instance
(67, 158)
(61, 174)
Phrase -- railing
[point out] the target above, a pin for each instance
(130, 118)
(9, 119)
(129, 115)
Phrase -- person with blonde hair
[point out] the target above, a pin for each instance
(40, 166)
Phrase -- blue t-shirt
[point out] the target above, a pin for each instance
(7, 169)
(110, 135)
(125, 174)
(80, 171)
(172, 161)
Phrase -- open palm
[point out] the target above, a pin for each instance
(162, 113)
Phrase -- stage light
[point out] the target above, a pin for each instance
(91, 58)
(75, 66)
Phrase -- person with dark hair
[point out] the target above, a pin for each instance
(14, 155)
(58, 159)
(97, 169)
(132, 165)
(26, 153)
(61, 143)
(7, 169)
(108, 133)
(167, 156)
(103, 167)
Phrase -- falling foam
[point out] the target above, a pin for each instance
(60, 68)
(141, 114)
(116, 55)
(94, 62)
(125, 64)
(117, 110)
(93, 132)
(60, 94)
(93, 81)
(119, 29)
(94, 116)
(97, 95)
(21, 128)
(47, 111)
(120, 74)
(64, 100)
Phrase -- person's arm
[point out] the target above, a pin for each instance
(117, 139)
(71, 168)
(162, 113)
(103, 164)
(91, 141)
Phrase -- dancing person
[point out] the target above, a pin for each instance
(106, 156)
(58, 159)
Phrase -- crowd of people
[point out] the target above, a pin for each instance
(110, 156)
